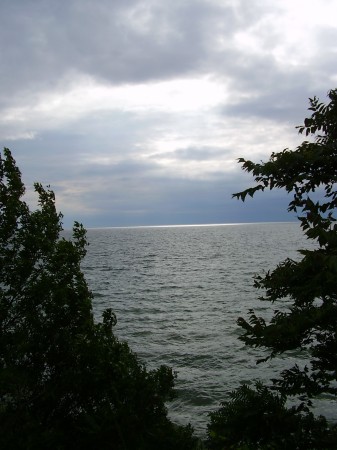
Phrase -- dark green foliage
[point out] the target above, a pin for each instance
(310, 322)
(258, 419)
(66, 381)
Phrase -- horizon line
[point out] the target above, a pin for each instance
(187, 225)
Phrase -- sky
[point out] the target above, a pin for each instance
(136, 111)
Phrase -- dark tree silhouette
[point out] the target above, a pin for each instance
(66, 382)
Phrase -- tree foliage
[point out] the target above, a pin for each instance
(66, 381)
(309, 173)
(258, 418)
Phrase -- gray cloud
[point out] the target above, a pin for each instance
(171, 201)
(204, 153)
(50, 43)
(106, 165)
(119, 42)
(282, 104)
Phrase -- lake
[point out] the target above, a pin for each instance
(177, 293)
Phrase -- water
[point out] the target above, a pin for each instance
(177, 293)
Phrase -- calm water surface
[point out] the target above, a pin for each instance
(177, 293)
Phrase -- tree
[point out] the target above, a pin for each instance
(310, 322)
(66, 381)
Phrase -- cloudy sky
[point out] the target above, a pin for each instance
(135, 111)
